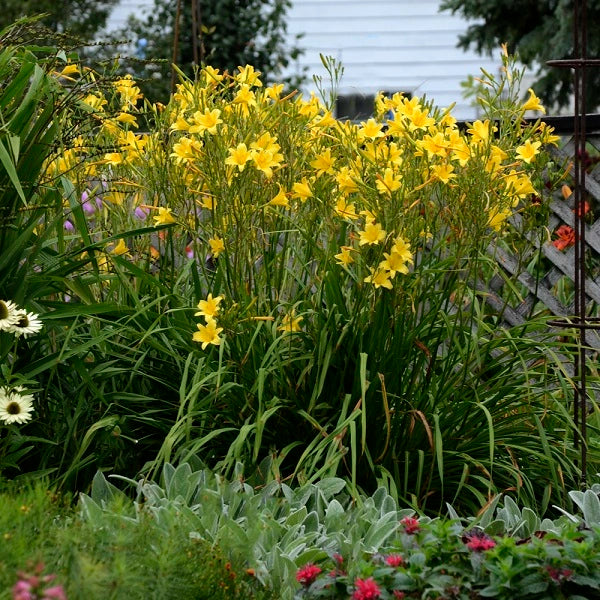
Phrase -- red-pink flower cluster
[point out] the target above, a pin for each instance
(307, 574)
(394, 560)
(558, 575)
(366, 589)
(478, 541)
(411, 525)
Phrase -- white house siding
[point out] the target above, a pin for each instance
(391, 45)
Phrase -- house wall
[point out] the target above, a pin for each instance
(391, 45)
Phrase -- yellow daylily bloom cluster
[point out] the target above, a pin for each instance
(290, 323)
(208, 333)
(254, 177)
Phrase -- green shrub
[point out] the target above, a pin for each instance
(336, 269)
(124, 557)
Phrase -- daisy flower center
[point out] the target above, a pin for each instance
(13, 408)
(4, 313)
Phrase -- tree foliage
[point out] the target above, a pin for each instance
(80, 18)
(231, 33)
(538, 30)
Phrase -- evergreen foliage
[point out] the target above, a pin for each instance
(80, 18)
(539, 31)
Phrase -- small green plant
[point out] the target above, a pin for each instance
(48, 550)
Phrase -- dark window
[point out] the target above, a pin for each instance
(358, 107)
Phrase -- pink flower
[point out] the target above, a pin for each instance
(22, 590)
(411, 525)
(307, 574)
(478, 541)
(394, 560)
(366, 589)
(57, 593)
(339, 559)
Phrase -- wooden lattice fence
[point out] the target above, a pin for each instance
(538, 292)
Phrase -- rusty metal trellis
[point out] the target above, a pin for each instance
(581, 322)
(197, 42)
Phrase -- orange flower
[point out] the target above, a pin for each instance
(583, 209)
(566, 237)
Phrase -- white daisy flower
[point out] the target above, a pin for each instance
(8, 314)
(15, 407)
(26, 325)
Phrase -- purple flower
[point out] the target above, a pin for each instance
(98, 202)
(88, 207)
(141, 213)
(68, 225)
(84, 196)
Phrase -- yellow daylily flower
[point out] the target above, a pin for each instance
(210, 307)
(379, 278)
(394, 263)
(481, 130)
(206, 121)
(120, 248)
(345, 209)
(208, 334)
(497, 218)
(344, 258)
(528, 150)
(290, 323)
(164, 216)
(216, 246)
(302, 190)
(323, 163)
(372, 234)
(280, 199)
(443, 172)
(238, 156)
(403, 249)
(389, 183)
(533, 102)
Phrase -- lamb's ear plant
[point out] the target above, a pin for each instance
(315, 540)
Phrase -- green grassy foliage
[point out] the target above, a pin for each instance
(121, 557)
